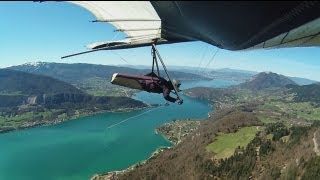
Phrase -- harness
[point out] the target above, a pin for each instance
(155, 57)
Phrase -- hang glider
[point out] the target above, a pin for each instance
(237, 25)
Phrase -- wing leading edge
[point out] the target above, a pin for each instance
(228, 25)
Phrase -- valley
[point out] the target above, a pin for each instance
(266, 116)
(261, 129)
(29, 100)
(95, 79)
(36, 94)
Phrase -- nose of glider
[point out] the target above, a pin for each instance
(113, 77)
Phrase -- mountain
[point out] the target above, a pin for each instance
(79, 72)
(94, 79)
(32, 84)
(29, 100)
(18, 88)
(306, 93)
(74, 73)
(275, 129)
(302, 81)
(236, 71)
(229, 74)
(224, 73)
(266, 80)
(234, 74)
(247, 75)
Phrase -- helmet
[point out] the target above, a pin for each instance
(176, 83)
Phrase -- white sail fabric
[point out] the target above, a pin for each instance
(142, 24)
(137, 19)
(303, 36)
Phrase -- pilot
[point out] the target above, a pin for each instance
(161, 85)
(150, 83)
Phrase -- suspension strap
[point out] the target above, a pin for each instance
(165, 68)
(154, 61)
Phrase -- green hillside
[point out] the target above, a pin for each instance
(92, 78)
(29, 100)
(267, 80)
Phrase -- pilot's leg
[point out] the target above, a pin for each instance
(166, 95)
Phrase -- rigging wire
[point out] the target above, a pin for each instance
(123, 59)
(125, 120)
(202, 57)
(210, 61)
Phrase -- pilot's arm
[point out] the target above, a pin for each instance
(166, 94)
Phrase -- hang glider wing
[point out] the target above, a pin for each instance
(228, 25)
(137, 19)
(239, 25)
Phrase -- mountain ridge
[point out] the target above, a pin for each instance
(228, 73)
(98, 70)
(265, 80)
(46, 89)
(29, 100)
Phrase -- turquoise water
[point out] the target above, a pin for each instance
(213, 83)
(80, 148)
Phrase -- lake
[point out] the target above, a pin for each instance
(80, 148)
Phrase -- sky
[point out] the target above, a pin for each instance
(33, 32)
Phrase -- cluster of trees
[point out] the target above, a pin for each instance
(312, 169)
(11, 100)
(278, 130)
(244, 161)
(241, 164)
(296, 133)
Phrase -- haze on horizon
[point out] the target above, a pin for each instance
(46, 31)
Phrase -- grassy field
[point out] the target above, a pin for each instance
(27, 116)
(225, 144)
(97, 86)
(271, 107)
(18, 120)
(13, 93)
(299, 110)
(114, 91)
(2, 121)
(266, 120)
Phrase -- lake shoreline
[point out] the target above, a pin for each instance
(73, 117)
(114, 174)
(174, 125)
(92, 145)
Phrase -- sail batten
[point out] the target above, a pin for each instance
(125, 16)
